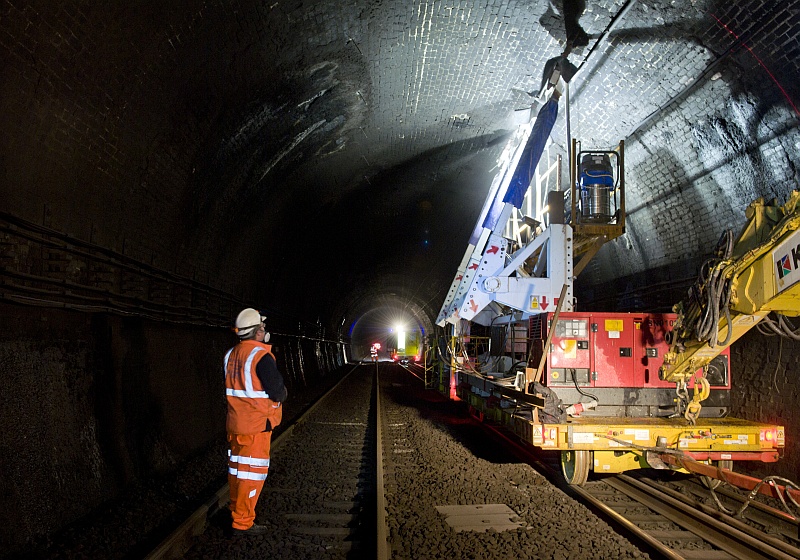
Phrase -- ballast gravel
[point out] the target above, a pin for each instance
(449, 461)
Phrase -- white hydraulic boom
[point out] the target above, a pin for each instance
(490, 274)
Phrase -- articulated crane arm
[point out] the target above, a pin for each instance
(737, 288)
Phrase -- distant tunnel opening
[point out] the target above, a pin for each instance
(386, 322)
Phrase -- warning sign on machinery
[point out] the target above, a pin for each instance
(786, 262)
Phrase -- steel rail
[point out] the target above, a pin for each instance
(712, 529)
(640, 534)
(382, 547)
(727, 519)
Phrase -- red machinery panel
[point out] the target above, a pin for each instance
(652, 345)
(612, 341)
(569, 358)
(612, 350)
(567, 348)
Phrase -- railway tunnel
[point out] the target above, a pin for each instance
(165, 165)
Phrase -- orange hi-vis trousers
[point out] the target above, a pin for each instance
(248, 464)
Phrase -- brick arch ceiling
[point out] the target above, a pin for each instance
(306, 155)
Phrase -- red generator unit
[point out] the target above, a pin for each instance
(614, 358)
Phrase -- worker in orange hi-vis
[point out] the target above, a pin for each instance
(254, 390)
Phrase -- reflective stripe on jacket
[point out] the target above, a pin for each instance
(250, 410)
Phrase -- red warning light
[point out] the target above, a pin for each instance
(768, 435)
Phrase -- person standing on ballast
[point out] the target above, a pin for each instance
(255, 390)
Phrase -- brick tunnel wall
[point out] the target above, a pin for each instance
(105, 125)
(105, 128)
(766, 388)
(91, 133)
(94, 403)
(728, 143)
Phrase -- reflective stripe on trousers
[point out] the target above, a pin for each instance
(248, 465)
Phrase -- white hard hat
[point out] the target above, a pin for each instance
(247, 320)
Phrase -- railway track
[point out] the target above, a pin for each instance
(449, 490)
(757, 516)
(676, 523)
(325, 494)
(678, 526)
(321, 489)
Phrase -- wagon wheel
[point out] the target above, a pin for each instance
(575, 466)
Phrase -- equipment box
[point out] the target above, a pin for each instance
(613, 350)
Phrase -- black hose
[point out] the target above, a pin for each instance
(772, 325)
(730, 327)
(575, 381)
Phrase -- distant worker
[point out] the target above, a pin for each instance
(254, 390)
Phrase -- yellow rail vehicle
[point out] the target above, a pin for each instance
(648, 390)
(610, 391)
(407, 347)
(618, 444)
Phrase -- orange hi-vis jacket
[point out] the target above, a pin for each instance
(250, 410)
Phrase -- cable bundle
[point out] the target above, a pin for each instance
(712, 293)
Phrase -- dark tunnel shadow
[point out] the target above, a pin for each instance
(391, 224)
(724, 138)
(563, 24)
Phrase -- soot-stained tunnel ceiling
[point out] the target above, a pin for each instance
(327, 159)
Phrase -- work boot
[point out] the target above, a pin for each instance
(253, 530)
